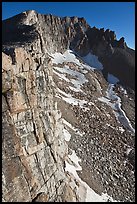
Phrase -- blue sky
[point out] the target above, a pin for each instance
(117, 16)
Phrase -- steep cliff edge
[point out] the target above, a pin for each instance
(33, 154)
(59, 110)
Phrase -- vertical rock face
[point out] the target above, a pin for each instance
(33, 153)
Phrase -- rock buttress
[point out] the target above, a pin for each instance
(32, 140)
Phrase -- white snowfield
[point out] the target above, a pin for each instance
(71, 100)
(67, 56)
(92, 61)
(79, 80)
(114, 101)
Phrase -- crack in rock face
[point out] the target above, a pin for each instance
(68, 111)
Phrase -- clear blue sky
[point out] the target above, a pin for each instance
(117, 16)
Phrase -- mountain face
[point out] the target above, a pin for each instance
(75, 33)
(68, 111)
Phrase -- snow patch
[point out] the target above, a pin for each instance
(68, 124)
(73, 89)
(121, 129)
(74, 158)
(83, 191)
(124, 91)
(92, 60)
(71, 100)
(128, 151)
(61, 76)
(80, 78)
(93, 104)
(74, 101)
(114, 102)
(65, 122)
(67, 56)
(67, 135)
(112, 79)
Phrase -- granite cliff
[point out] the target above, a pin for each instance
(63, 85)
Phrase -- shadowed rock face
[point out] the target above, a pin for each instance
(14, 31)
(34, 148)
(122, 64)
(75, 33)
(115, 56)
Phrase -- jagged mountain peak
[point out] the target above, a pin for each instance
(31, 17)
(74, 33)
